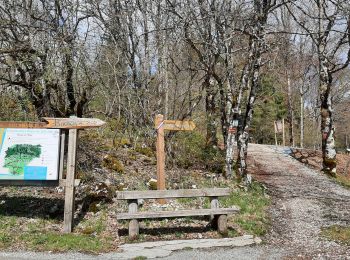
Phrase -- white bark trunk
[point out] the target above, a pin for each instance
(301, 116)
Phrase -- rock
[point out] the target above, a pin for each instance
(140, 202)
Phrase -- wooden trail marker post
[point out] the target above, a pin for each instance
(160, 126)
(72, 124)
(279, 128)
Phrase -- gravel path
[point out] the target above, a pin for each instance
(303, 201)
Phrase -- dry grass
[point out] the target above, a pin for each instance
(337, 233)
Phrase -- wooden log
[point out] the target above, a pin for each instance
(70, 180)
(177, 213)
(222, 224)
(181, 193)
(160, 154)
(133, 224)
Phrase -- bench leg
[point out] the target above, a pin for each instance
(133, 229)
(222, 224)
(133, 224)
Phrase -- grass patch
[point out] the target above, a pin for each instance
(343, 180)
(337, 233)
(140, 258)
(64, 242)
(252, 217)
(37, 235)
(95, 226)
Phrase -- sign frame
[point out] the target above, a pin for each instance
(50, 183)
(68, 127)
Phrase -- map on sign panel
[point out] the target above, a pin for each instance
(29, 154)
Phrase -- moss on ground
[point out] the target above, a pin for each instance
(337, 233)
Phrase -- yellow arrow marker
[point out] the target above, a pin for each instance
(177, 125)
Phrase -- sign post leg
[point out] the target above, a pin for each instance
(283, 133)
(275, 127)
(160, 154)
(70, 178)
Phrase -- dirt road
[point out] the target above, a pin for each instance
(303, 202)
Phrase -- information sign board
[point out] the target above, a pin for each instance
(29, 154)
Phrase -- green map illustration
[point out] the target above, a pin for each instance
(20, 155)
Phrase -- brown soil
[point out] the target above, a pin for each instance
(314, 159)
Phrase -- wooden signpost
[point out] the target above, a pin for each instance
(57, 123)
(72, 124)
(160, 126)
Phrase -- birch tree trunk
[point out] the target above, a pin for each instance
(302, 116)
(256, 48)
(210, 107)
(255, 54)
(290, 113)
(327, 126)
(234, 115)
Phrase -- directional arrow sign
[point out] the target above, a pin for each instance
(61, 123)
(73, 122)
(177, 125)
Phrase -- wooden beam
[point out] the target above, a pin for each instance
(70, 179)
(177, 213)
(62, 150)
(134, 228)
(63, 182)
(14, 124)
(160, 147)
(73, 123)
(166, 194)
(57, 123)
(283, 133)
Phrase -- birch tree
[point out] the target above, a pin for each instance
(250, 79)
(329, 32)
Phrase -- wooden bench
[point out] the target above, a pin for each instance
(217, 215)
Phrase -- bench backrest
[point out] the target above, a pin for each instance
(164, 194)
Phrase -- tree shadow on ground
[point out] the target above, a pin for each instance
(44, 208)
(32, 207)
(170, 230)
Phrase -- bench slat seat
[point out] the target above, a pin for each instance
(218, 216)
(166, 194)
(177, 213)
